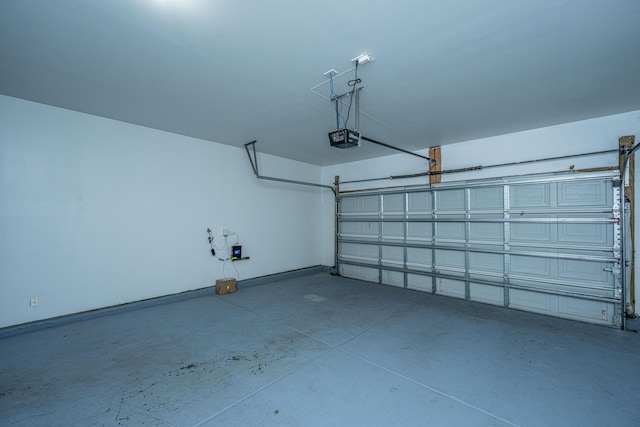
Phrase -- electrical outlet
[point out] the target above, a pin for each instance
(225, 232)
(34, 302)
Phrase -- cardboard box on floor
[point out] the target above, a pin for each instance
(225, 286)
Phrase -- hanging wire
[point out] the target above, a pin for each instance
(337, 100)
(331, 96)
(353, 84)
(357, 110)
(355, 81)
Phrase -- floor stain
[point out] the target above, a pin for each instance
(315, 298)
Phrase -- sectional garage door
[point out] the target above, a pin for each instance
(547, 244)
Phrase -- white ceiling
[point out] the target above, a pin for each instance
(233, 71)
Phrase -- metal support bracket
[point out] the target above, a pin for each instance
(254, 165)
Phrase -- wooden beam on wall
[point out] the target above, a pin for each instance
(434, 153)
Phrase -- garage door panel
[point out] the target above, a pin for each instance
(533, 301)
(450, 200)
(393, 230)
(545, 244)
(486, 231)
(486, 293)
(357, 272)
(491, 198)
(361, 205)
(563, 306)
(419, 231)
(532, 195)
(420, 282)
(586, 310)
(561, 287)
(392, 255)
(419, 258)
(584, 193)
(359, 251)
(480, 261)
(359, 229)
(586, 234)
(393, 278)
(588, 271)
(449, 258)
(535, 266)
(393, 204)
(452, 288)
(419, 203)
(531, 232)
(450, 230)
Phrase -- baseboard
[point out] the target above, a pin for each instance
(151, 302)
(292, 274)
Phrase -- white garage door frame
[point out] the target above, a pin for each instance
(550, 244)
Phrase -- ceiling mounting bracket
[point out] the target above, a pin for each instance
(362, 59)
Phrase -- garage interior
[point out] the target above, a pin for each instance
(318, 214)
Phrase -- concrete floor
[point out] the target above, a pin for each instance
(321, 350)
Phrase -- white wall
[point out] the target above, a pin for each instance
(585, 136)
(96, 212)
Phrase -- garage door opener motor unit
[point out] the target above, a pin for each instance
(344, 138)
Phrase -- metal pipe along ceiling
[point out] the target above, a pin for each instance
(254, 165)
